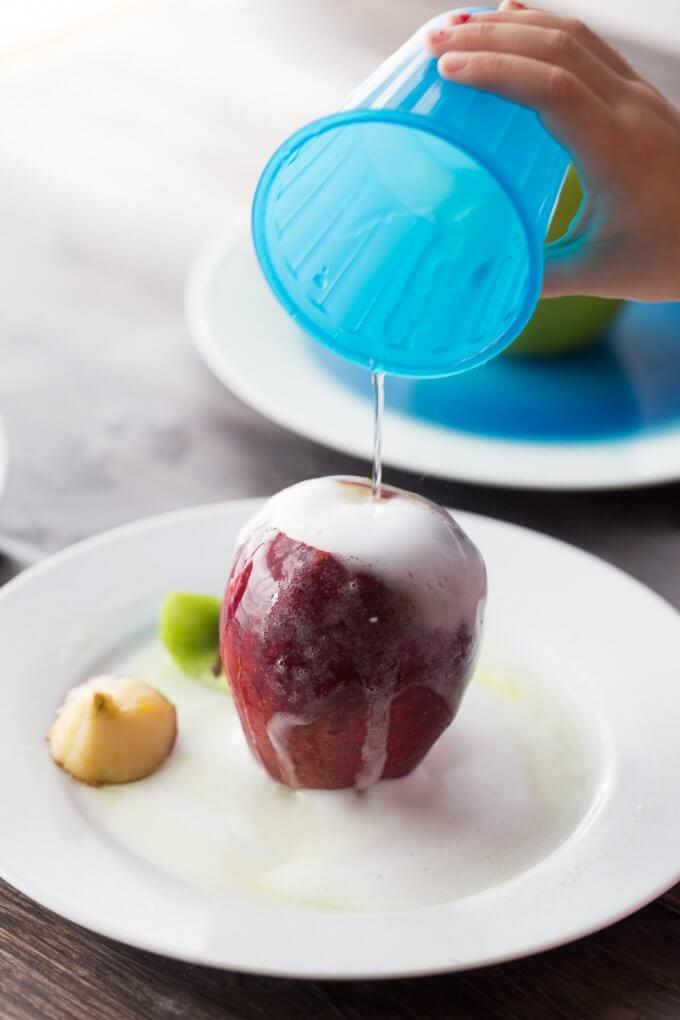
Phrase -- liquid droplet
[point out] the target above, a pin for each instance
(320, 279)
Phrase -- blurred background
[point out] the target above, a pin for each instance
(129, 132)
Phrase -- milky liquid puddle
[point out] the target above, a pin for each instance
(506, 785)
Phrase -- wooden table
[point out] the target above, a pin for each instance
(123, 143)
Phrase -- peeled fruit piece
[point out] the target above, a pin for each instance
(190, 630)
(112, 730)
(350, 629)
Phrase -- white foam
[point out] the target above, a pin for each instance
(413, 545)
(505, 786)
(374, 750)
(278, 729)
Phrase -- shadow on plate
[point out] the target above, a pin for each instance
(626, 384)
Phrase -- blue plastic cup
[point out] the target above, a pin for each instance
(406, 231)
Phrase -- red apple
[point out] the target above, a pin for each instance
(349, 631)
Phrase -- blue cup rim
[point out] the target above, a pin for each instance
(447, 134)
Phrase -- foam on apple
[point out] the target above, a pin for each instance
(349, 631)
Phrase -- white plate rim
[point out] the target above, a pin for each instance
(648, 891)
(408, 443)
(4, 458)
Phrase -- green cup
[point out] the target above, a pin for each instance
(564, 324)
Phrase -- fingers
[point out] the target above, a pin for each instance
(511, 11)
(585, 261)
(551, 45)
(568, 107)
(567, 274)
(568, 266)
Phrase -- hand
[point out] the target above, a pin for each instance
(623, 135)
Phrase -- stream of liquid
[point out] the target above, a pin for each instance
(378, 382)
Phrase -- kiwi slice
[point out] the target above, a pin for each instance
(190, 630)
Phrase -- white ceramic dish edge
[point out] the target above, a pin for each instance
(408, 443)
(373, 925)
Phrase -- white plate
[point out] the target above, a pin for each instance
(596, 641)
(4, 458)
(257, 351)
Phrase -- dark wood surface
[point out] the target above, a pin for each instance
(111, 416)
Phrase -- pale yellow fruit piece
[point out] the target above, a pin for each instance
(112, 729)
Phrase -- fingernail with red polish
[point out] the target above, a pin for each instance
(441, 35)
(460, 19)
(517, 5)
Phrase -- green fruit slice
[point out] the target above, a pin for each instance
(190, 630)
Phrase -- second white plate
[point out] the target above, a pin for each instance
(258, 352)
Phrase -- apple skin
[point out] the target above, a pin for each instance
(328, 660)
(561, 325)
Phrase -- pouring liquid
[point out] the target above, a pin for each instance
(378, 383)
